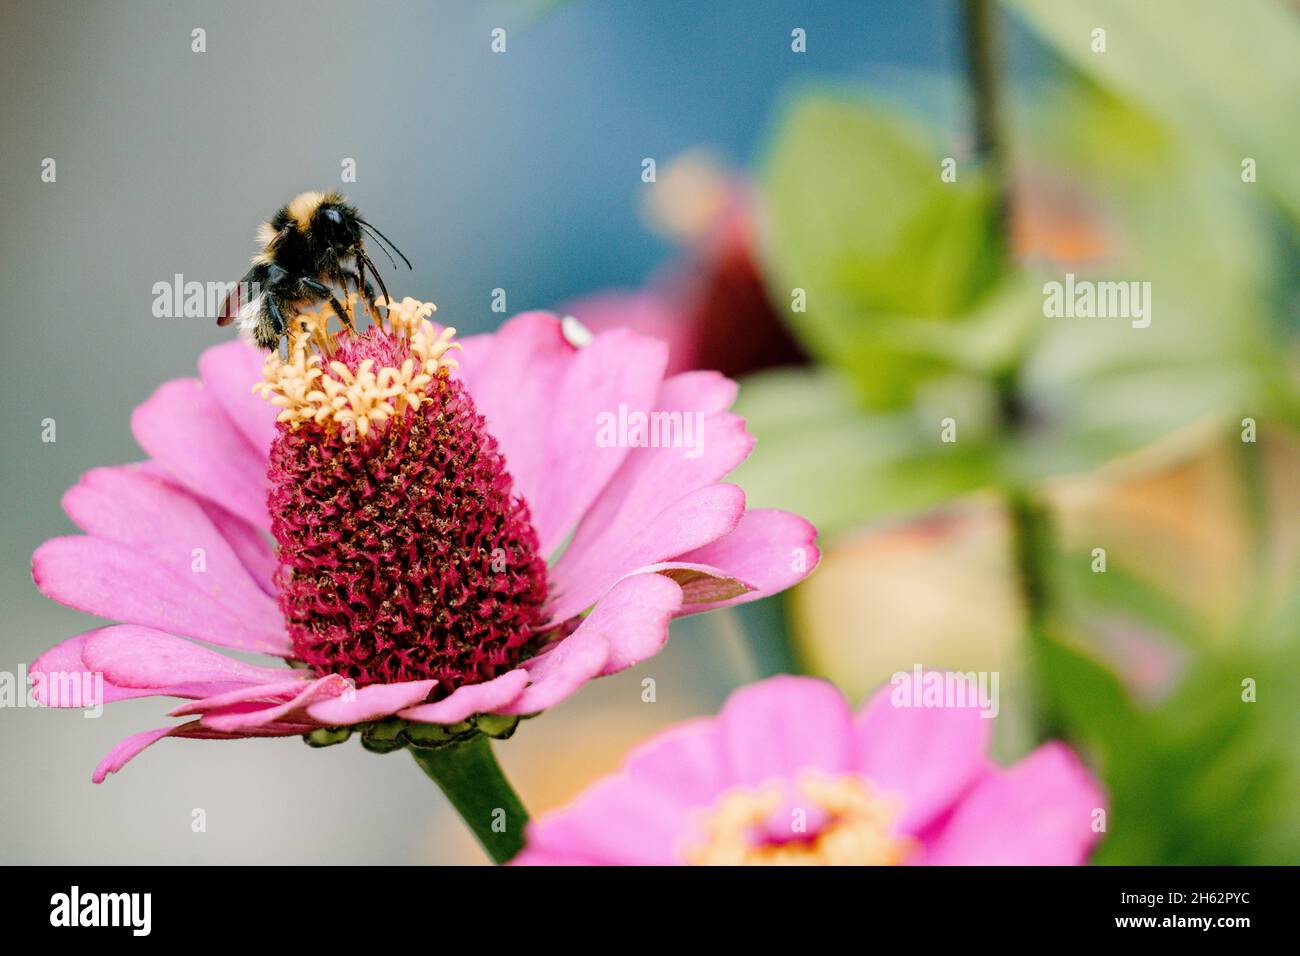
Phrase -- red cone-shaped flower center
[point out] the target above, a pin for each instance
(404, 552)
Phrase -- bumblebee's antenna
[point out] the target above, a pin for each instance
(385, 251)
(371, 229)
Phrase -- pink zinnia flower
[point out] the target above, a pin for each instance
(452, 549)
(712, 307)
(786, 774)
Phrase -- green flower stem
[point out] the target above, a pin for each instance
(470, 776)
(1030, 517)
(990, 145)
(1032, 541)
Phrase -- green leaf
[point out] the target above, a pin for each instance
(820, 454)
(859, 218)
(1090, 699)
(1223, 74)
(1205, 778)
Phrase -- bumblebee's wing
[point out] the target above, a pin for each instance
(243, 292)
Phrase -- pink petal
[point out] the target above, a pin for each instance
(559, 672)
(138, 661)
(512, 376)
(111, 580)
(127, 749)
(239, 718)
(769, 550)
(65, 658)
(683, 764)
(184, 429)
(616, 821)
(775, 729)
(370, 703)
(927, 756)
(699, 390)
(616, 368)
(229, 372)
(530, 856)
(646, 313)
(154, 517)
(253, 548)
(1038, 813)
(633, 618)
(652, 480)
(471, 699)
(278, 690)
(60, 677)
(692, 521)
(627, 625)
(495, 365)
(546, 430)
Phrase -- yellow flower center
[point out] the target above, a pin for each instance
(857, 833)
(311, 386)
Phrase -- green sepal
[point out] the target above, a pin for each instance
(327, 736)
(383, 736)
(380, 746)
(427, 735)
(394, 733)
(497, 726)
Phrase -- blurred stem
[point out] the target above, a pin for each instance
(990, 145)
(1033, 544)
(473, 781)
(764, 632)
(1029, 516)
(791, 660)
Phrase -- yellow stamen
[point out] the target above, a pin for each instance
(308, 388)
(858, 832)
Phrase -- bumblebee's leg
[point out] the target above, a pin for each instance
(337, 280)
(341, 278)
(270, 323)
(359, 277)
(367, 291)
(323, 291)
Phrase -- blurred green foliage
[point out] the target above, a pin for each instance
(912, 317)
(860, 221)
(1226, 76)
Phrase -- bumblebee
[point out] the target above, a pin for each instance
(312, 246)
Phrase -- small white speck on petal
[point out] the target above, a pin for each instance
(575, 333)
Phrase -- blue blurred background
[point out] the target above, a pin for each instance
(518, 170)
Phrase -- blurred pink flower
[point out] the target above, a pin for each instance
(409, 574)
(712, 308)
(787, 774)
